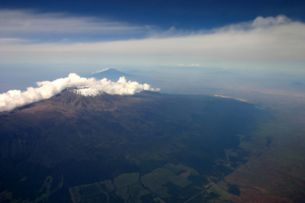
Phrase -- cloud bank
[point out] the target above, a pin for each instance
(36, 26)
(80, 85)
(278, 41)
(28, 37)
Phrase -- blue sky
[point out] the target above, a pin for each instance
(78, 36)
(184, 14)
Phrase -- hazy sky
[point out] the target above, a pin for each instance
(79, 35)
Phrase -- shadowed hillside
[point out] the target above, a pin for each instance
(141, 148)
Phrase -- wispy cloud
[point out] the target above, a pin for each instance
(263, 41)
(188, 65)
(33, 25)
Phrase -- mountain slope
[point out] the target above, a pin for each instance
(62, 144)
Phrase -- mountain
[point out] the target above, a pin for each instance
(148, 147)
(109, 73)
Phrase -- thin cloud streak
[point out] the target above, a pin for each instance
(31, 24)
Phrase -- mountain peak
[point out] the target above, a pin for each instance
(69, 104)
(109, 73)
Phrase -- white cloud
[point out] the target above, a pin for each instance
(278, 41)
(30, 24)
(270, 21)
(80, 85)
